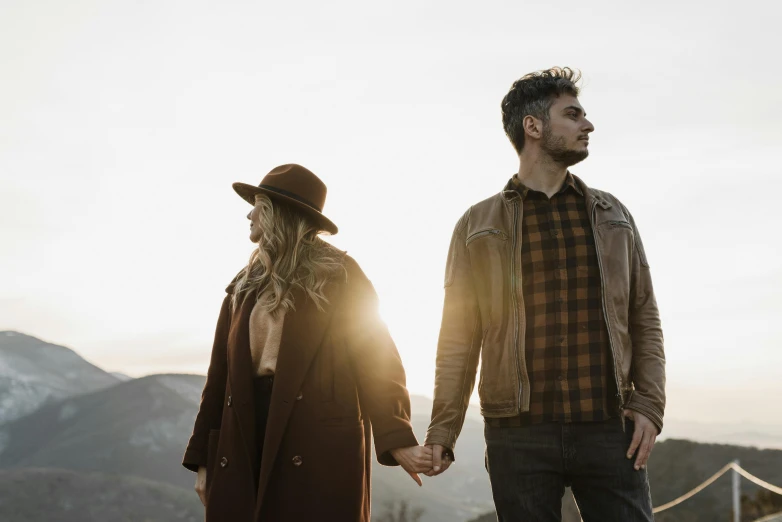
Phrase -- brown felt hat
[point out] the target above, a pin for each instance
(296, 186)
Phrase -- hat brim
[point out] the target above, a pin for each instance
(248, 192)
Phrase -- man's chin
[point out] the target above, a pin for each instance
(571, 157)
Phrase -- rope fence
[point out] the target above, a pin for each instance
(770, 518)
(706, 483)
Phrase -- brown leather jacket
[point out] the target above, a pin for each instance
(483, 314)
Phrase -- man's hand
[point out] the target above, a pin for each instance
(644, 438)
(440, 460)
(414, 460)
(200, 484)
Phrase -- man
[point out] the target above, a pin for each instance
(548, 283)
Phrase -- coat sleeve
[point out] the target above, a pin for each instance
(210, 412)
(648, 396)
(378, 369)
(459, 345)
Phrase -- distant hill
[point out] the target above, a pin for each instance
(33, 372)
(54, 495)
(677, 466)
(85, 419)
(138, 427)
(762, 433)
(121, 376)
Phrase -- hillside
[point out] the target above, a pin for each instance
(33, 372)
(52, 495)
(676, 466)
(139, 427)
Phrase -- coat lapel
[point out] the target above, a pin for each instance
(240, 373)
(302, 335)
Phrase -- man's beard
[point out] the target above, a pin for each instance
(554, 146)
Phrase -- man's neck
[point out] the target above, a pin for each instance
(541, 174)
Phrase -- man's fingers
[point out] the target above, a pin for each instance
(637, 437)
(416, 478)
(437, 458)
(644, 451)
(445, 463)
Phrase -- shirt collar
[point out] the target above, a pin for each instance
(523, 190)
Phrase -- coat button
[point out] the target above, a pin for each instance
(229, 400)
(297, 461)
(300, 396)
(223, 462)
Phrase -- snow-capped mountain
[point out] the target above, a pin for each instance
(34, 372)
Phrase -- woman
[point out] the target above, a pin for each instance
(302, 373)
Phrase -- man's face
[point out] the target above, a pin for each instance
(566, 134)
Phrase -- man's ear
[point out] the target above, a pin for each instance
(533, 127)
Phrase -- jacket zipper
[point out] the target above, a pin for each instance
(620, 224)
(605, 312)
(516, 302)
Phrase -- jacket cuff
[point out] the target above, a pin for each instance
(442, 438)
(389, 441)
(646, 408)
(194, 459)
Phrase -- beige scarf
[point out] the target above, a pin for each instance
(265, 336)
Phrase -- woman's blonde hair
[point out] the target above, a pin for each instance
(289, 255)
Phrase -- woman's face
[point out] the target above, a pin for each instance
(255, 224)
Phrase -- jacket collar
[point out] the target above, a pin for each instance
(510, 191)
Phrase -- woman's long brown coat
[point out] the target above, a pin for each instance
(339, 379)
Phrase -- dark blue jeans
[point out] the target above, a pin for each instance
(530, 466)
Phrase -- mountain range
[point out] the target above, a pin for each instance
(33, 372)
(82, 432)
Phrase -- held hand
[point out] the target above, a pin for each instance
(644, 438)
(414, 460)
(200, 484)
(441, 461)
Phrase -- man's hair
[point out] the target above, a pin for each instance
(533, 94)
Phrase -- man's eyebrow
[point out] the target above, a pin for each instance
(578, 110)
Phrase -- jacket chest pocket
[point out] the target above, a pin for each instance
(489, 233)
(490, 252)
(617, 240)
(488, 249)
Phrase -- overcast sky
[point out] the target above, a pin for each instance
(124, 123)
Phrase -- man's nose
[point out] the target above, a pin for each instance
(248, 215)
(588, 127)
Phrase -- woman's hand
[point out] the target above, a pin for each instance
(200, 484)
(414, 460)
